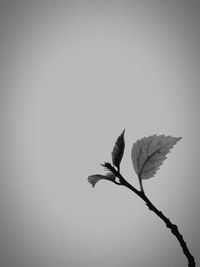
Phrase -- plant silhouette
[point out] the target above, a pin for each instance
(147, 156)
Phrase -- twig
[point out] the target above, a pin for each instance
(174, 229)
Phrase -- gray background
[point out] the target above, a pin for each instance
(74, 75)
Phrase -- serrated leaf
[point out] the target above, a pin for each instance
(149, 153)
(93, 179)
(118, 150)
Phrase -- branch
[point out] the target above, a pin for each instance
(174, 229)
(147, 156)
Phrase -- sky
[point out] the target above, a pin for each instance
(74, 75)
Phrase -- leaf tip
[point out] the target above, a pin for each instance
(118, 150)
(177, 139)
(91, 181)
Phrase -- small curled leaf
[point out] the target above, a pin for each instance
(93, 179)
(149, 153)
(118, 150)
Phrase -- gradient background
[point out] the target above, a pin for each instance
(74, 75)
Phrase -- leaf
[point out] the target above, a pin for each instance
(118, 150)
(149, 153)
(93, 179)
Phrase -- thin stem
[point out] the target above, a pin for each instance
(169, 224)
(174, 229)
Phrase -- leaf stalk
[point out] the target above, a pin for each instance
(141, 185)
